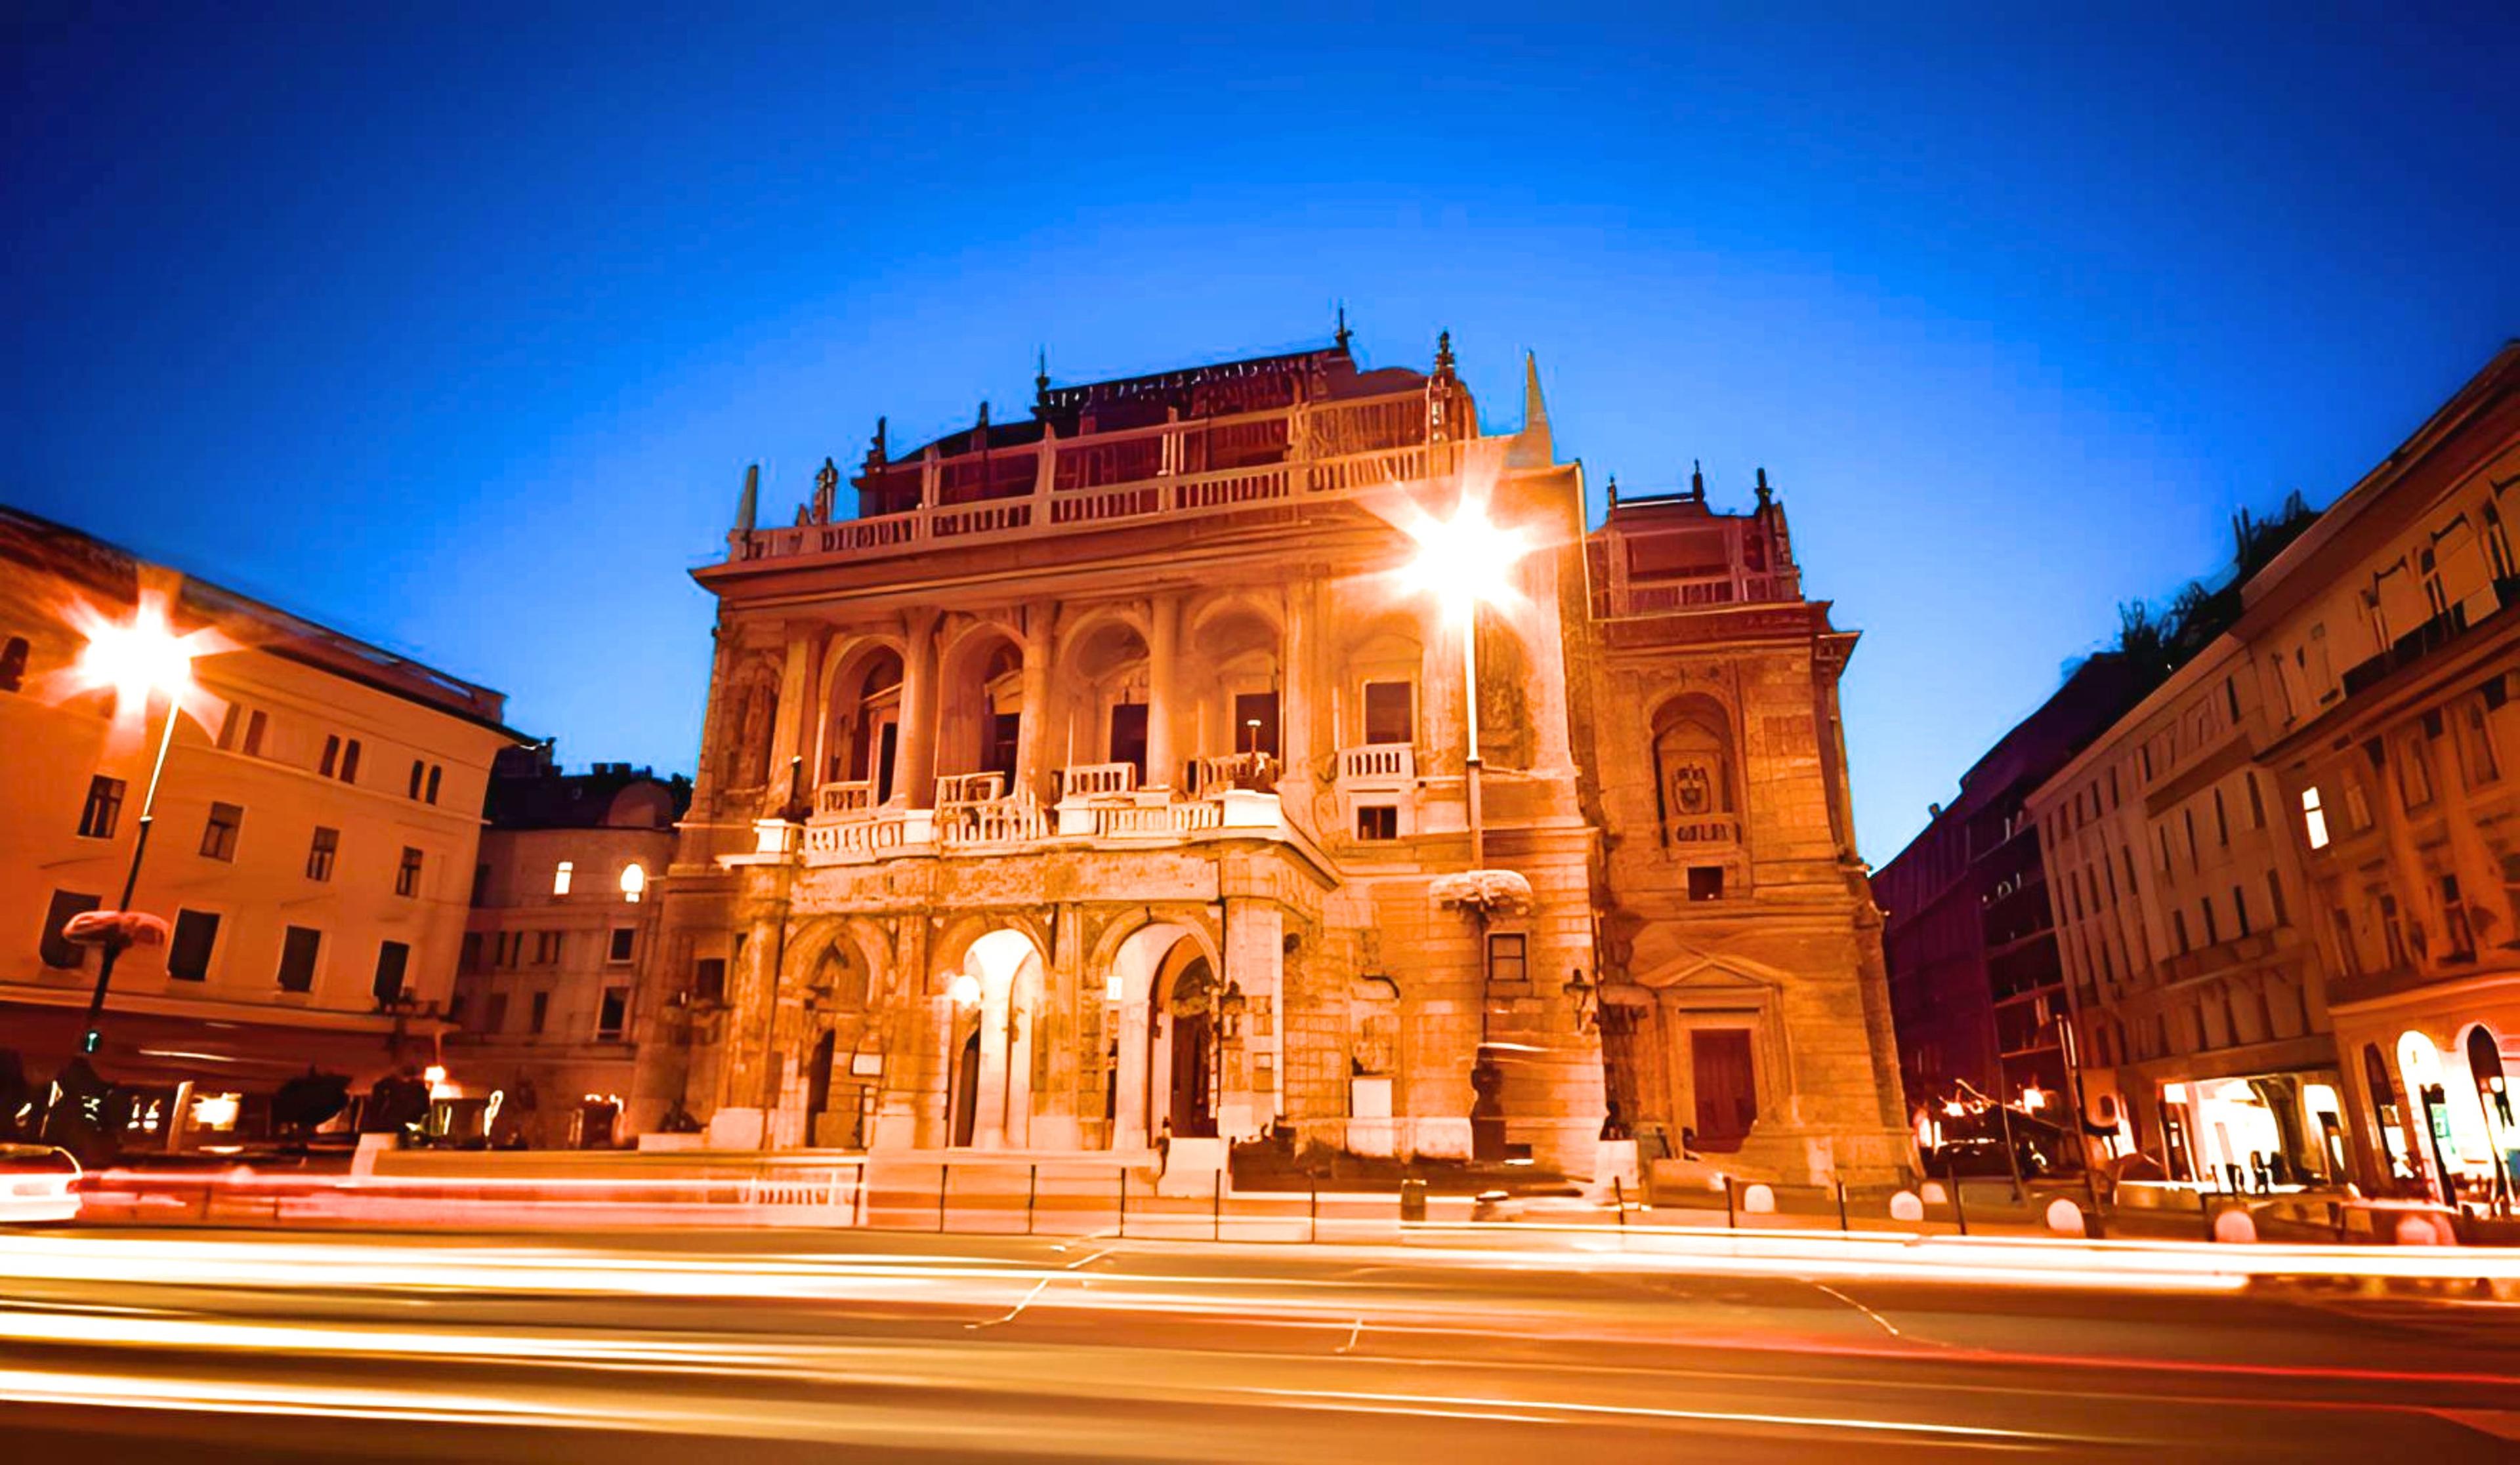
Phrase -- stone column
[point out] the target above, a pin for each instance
(740, 1117)
(1129, 1105)
(792, 737)
(1300, 680)
(989, 1127)
(916, 753)
(1255, 958)
(1163, 634)
(1058, 1022)
(1032, 742)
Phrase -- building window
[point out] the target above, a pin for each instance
(494, 1014)
(255, 726)
(2240, 909)
(350, 761)
(58, 952)
(2179, 931)
(2348, 958)
(1508, 954)
(1378, 822)
(634, 881)
(2276, 899)
(219, 835)
(103, 811)
(2257, 802)
(539, 1013)
(418, 771)
(320, 851)
(613, 1014)
(187, 951)
(297, 949)
(2222, 821)
(545, 949)
(482, 883)
(469, 960)
(624, 940)
(392, 958)
(561, 876)
(2481, 765)
(708, 979)
(2415, 773)
(332, 758)
(2457, 932)
(2393, 935)
(2314, 818)
(407, 874)
(434, 770)
(13, 664)
(1389, 714)
(2206, 905)
(1706, 882)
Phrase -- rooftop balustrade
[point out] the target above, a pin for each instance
(1062, 494)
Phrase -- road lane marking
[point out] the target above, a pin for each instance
(1352, 1334)
(1012, 1313)
(1517, 1409)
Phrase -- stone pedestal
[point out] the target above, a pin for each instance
(736, 1127)
(1370, 1127)
(1440, 1139)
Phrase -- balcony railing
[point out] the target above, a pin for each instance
(1094, 780)
(1661, 597)
(1224, 771)
(850, 799)
(969, 788)
(1157, 820)
(1378, 763)
(1165, 498)
(998, 822)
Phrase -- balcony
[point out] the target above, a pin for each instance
(1663, 597)
(1100, 807)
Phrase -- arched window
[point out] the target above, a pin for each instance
(634, 880)
(561, 876)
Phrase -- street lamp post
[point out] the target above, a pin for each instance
(1465, 561)
(136, 659)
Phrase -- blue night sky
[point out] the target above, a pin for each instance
(456, 333)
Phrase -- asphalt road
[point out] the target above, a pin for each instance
(202, 1345)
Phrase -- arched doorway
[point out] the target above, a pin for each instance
(966, 1091)
(1190, 1037)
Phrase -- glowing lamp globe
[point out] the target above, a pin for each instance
(1465, 559)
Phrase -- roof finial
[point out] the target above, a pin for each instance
(749, 504)
(1614, 490)
(983, 429)
(1764, 491)
(1443, 353)
(1339, 338)
(1041, 378)
(826, 490)
(878, 450)
(1697, 480)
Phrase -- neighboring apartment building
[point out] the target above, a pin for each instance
(1976, 983)
(546, 995)
(2183, 930)
(2291, 872)
(2386, 642)
(315, 829)
(1107, 778)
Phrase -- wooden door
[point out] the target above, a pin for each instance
(1728, 1095)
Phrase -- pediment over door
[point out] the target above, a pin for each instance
(1698, 977)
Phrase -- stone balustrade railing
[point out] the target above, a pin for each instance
(1048, 509)
(1378, 763)
(1094, 780)
(849, 799)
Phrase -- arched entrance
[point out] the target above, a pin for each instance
(992, 999)
(1162, 991)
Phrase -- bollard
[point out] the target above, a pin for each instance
(1124, 1200)
(1619, 1197)
(858, 1212)
(1728, 1203)
(1216, 1207)
(1412, 1199)
(943, 1172)
(1959, 1209)
(1032, 1189)
(1313, 1216)
(2205, 1212)
(1841, 1207)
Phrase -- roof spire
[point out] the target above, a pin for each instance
(1697, 480)
(1764, 494)
(1534, 446)
(1041, 381)
(1443, 353)
(1339, 338)
(877, 451)
(749, 503)
(1614, 490)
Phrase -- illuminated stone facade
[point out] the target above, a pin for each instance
(1107, 779)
